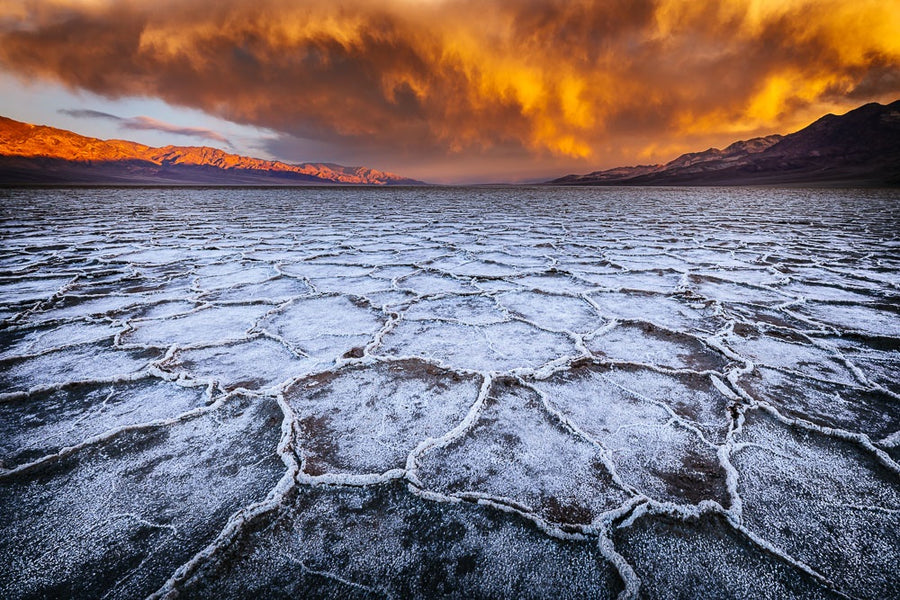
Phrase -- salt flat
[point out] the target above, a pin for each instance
(449, 392)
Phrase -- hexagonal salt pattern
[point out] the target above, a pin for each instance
(444, 392)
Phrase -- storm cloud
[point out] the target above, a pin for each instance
(567, 82)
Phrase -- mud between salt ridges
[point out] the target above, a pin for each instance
(533, 381)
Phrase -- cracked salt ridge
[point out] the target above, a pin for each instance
(30, 341)
(324, 327)
(463, 310)
(206, 325)
(870, 412)
(273, 291)
(15, 290)
(864, 319)
(670, 312)
(383, 541)
(233, 275)
(704, 556)
(666, 449)
(368, 418)
(52, 422)
(644, 343)
(504, 346)
(132, 508)
(798, 485)
(728, 291)
(792, 352)
(518, 453)
(91, 362)
(467, 247)
(255, 364)
(560, 313)
(359, 286)
(73, 306)
(662, 281)
(875, 358)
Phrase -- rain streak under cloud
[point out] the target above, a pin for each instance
(449, 90)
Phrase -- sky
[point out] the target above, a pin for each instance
(447, 91)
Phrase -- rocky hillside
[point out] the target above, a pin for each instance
(41, 154)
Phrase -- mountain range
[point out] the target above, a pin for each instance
(39, 154)
(861, 147)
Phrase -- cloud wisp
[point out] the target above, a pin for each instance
(84, 113)
(144, 123)
(403, 81)
(148, 123)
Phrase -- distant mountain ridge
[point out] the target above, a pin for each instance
(859, 147)
(42, 154)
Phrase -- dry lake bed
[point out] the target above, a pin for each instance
(449, 392)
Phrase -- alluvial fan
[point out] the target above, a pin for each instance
(464, 393)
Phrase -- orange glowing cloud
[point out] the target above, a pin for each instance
(417, 84)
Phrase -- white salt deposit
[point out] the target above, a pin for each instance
(530, 393)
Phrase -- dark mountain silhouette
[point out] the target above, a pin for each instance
(861, 147)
